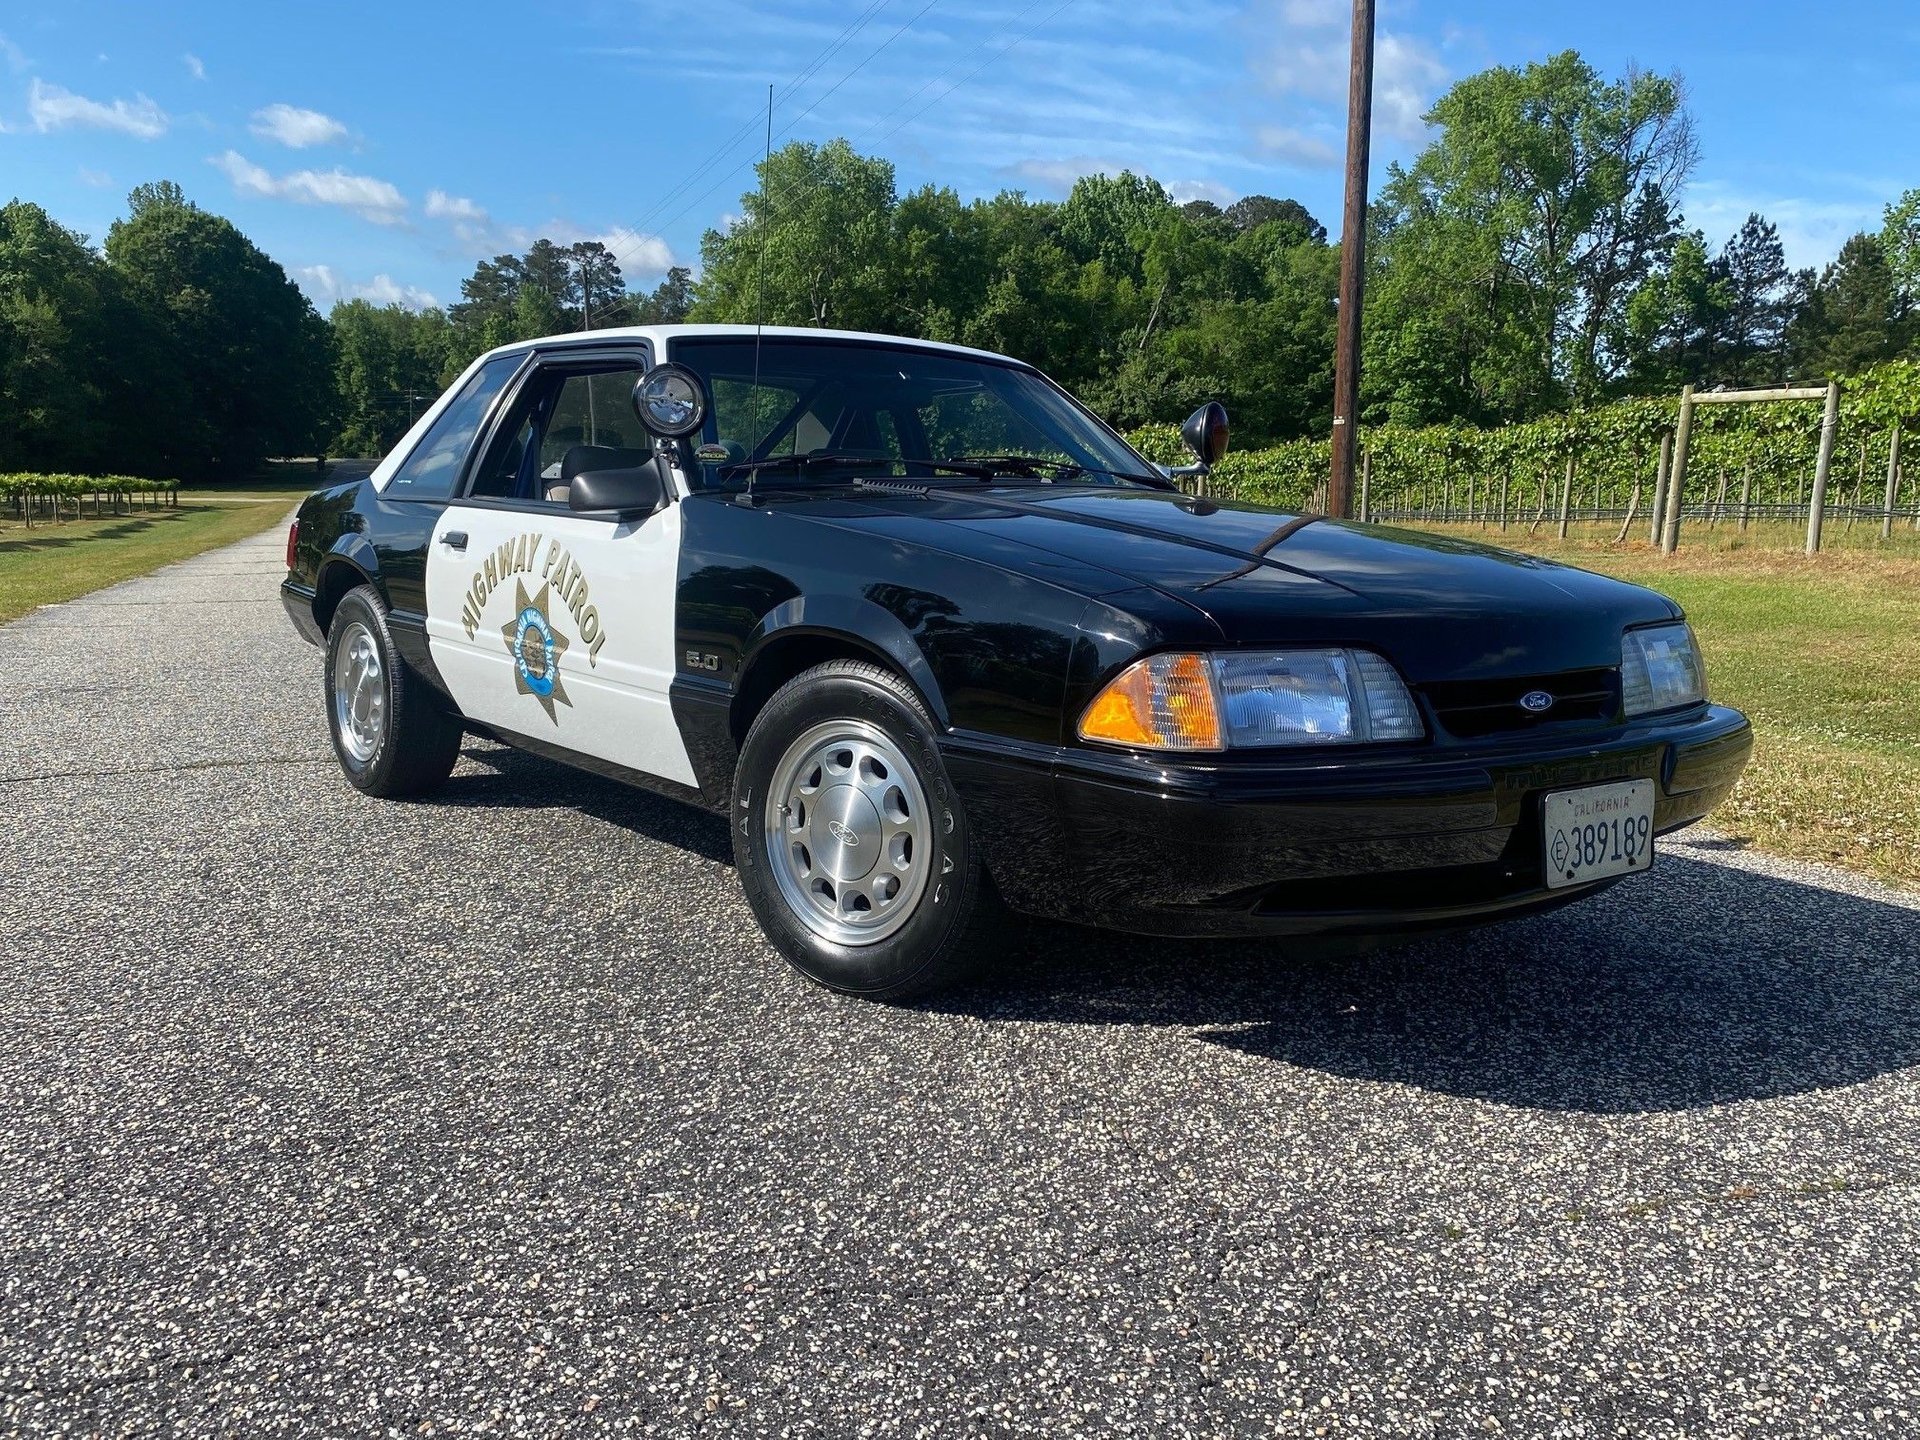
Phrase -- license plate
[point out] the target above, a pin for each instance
(1597, 831)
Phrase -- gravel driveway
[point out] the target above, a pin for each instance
(327, 1116)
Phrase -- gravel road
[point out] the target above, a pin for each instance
(325, 1116)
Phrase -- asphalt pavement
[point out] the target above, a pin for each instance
(327, 1116)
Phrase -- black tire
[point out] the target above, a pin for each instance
(951, 919)
(412, 744)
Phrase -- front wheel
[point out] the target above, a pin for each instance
(852, 847)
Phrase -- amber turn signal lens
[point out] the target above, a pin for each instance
(1164, 702)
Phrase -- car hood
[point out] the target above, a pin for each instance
(1440, 607)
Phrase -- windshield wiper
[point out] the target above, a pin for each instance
(801, 463)
(1034, 467)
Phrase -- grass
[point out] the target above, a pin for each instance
(48, 563)
(1823, 654)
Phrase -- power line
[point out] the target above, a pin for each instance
(752, 123)
(998, 55)
(789, 127)
(933, 80)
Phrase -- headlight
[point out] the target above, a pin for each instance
(1661, 669)
(1261, 698)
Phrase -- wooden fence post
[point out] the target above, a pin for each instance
(1677, 480)
(1823, 470)
(1660, 485)
(1893, 483)
(1633, 505)
(1366, 485)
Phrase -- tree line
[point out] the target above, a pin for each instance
(1532, 259)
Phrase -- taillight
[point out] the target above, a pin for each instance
(293, 542)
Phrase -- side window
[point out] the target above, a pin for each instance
(430, 472)
(565, 420)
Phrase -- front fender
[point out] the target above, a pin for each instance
(851, 617)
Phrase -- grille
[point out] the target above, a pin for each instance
(1469, 708)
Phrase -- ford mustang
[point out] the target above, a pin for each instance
(944, 649)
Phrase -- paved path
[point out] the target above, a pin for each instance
(327, 1116)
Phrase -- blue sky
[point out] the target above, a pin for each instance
(379, 149)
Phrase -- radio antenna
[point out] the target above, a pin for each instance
(760, 299)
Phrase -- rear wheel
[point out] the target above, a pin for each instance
(391, 733)
(852, 847)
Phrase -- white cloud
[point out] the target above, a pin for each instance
(1406, 78)
(1059, 175)
(1185, 190)
(370, 199)
(1309, 63)
(638, 254)
(98, 179)
(53, 108)
(15, 57)
(325, 286)
(1811, 231)
(195, 67)
(295, 128)
(1296, 147)
(442, 206)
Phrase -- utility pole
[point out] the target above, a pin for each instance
(1353, 261)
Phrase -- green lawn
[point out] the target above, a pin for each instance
(1824, 655)
(47, 562)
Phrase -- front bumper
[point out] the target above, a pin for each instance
(1353, 844)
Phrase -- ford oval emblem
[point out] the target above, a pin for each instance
(843, 833)
(1536, 702)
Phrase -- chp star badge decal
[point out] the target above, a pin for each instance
(536, 648)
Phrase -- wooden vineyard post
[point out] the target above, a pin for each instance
(1366, 484)
(1677, 477)
(1506, 485)
(1660, 486)
(1719, 500)
(1566, 497)
(1746, 495)
(1893, 483)
(1633, 505)
(1823, 468)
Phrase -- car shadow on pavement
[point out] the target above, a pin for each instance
(1698, 984)
(499, 777)
(1693, 985)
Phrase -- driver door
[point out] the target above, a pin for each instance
(547, 625)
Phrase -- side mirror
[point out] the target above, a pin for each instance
(1206, 433)
(634, 490)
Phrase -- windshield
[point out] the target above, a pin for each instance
(878, 410)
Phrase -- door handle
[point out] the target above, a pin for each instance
(454, 539)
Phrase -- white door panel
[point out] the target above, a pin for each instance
(560, 628)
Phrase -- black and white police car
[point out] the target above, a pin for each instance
(941, 645)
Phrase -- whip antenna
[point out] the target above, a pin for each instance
(760, 299)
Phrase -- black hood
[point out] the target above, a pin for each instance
(1442, 608)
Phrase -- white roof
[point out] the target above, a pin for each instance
(660, 335)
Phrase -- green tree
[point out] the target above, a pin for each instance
(390, 364)
(1548, 198)
(823, 228)
(61, 406)
(246, 364)
(667, 303)
(1853, 316)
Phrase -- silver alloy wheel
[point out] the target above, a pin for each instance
(359, 692)
(849, 832)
